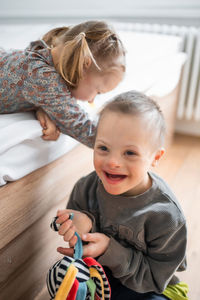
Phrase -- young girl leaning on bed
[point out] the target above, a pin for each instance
(67, 64)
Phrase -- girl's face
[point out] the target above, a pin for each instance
(123, 154)
(93, 83)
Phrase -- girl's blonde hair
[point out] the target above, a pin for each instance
(92, 43)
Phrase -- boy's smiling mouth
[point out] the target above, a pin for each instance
(114, 178)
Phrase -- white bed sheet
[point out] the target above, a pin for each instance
(22, 149)
(154, 64)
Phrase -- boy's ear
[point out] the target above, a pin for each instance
(157, 156)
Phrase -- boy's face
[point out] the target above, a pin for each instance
(124, 153)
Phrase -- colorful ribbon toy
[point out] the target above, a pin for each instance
(77, 278)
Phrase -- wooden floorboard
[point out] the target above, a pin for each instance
(181, 169)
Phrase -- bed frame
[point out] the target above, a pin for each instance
(28, 246)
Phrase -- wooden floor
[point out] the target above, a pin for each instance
(181, 169)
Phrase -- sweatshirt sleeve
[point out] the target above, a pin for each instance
(46, 89)
(82, 198)
(150, 271)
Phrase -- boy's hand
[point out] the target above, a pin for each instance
(81, 224)
(50, 131)
(97, 244)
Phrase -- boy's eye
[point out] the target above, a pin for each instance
(103, 148)
(129, 152)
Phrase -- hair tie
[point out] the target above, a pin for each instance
(82, 33)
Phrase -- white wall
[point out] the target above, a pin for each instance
(174, 11)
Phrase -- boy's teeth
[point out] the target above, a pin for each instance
(116, 176)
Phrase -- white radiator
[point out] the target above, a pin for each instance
(189, 95)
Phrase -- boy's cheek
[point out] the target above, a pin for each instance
(97, 163)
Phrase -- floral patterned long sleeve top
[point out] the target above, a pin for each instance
(29, 80)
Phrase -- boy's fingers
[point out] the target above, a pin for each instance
(65, 227)
(90, 237)
(88, 250)
(66, 251)
(69, 233)
(73, 241)
(60, 212)
(62, 218)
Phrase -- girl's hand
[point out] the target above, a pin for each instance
(50, 131)
(81, 224)
(97, 244)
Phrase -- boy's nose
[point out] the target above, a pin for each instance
(113, 162)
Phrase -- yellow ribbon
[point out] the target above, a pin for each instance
(95, 273)
(67, 283)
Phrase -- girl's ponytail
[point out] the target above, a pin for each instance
(50, 37)
(75, 56)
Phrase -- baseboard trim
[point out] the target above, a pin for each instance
(187, 127)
